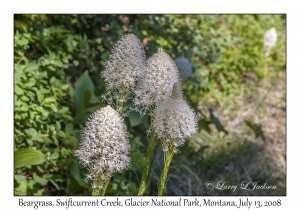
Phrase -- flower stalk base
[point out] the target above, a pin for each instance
(163, 179)
(147, 164)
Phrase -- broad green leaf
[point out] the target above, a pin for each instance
(64, 87)
(63, 110)
(76, 63)
(64, 152)
(53, 107)
(20, 185)
(76, 174)
(54, 184)
(57, 125)
(48, 100)
(43, 111)
(24, 108)
(55, 140)
(24, 98)
(39, 179)
(39, 192)
(83, 84)
(31, 184)
(20, 178)
(84, 115)
(54, 156)
(18, 90)
(30, 83)
(61, 133)
(31, 132)
(86, 98)
(114, 186)
(22, 41)
(37, 138)
(31, 67)
(69, 128)
(25, 156)
(29, 142)
(40, 168)
(81, 118)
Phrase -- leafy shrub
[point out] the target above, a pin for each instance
(42, 119)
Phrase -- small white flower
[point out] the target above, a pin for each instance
(156, 85)
(174, 120)
(184, 67)
(270, 40)
(122, 71)
(104, 145)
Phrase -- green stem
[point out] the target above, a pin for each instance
(105, 186)
(163, 178)
(97, 182)
(156, 149)
(147, 164)
(120, 104)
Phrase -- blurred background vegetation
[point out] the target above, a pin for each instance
(238, 94)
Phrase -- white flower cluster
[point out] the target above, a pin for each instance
(123, 69)
(104, 145)
(184, 67)
(160, 76)
(174, 120)
(270, 40)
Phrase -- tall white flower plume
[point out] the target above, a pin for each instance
(160, 76)
(104, 145)
(122, 71)
(174, 120)
(270, 39)
(184, 67)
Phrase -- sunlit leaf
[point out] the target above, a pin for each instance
(54, 156)
(26, 156)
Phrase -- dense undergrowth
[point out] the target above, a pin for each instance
(239, 95)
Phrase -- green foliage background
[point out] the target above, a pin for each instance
(57, 85)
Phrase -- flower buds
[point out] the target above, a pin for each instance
(123, 70)
(174, 120)
(161, 74)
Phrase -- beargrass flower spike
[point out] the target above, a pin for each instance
(123, 70)
(174, 121)
(160, 76)
(270, 39)
(104, 147)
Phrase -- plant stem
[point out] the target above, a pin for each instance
(156, 151)
(163, 178)
(97, 182)
(122, 97)
(147, 164)
(105, 186)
